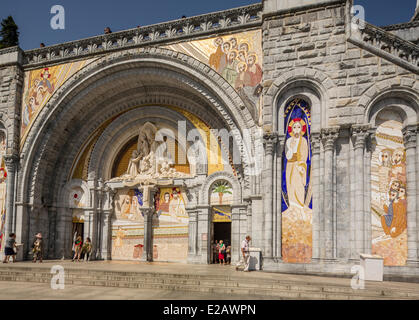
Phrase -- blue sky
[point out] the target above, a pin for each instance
(86, 18)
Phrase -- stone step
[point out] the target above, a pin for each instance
(278, 294)
(182, 282)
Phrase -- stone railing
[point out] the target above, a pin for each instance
(385, 44)
(411, 24)
(216, 22)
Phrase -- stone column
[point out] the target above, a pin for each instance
(410, 142)
(359, 135)
(270, 144)
(192, 232)
(52, 218)
(11, 162)
(235, 234)
(315, 163)
(249, 216)
(370, 147)
(329, 138)
(278, 197)
(63, 236)
(22, 229)
(148, 236)
(243, 224)
(106, 245)
(204, 216)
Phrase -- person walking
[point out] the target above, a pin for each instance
(77, 248)
(87, 249)
(228, 254)
(38, 248)
(221, 252)
(9, 250)
(244, 261)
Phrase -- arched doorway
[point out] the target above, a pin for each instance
(88, 151)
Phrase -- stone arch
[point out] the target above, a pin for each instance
(310, 84)
(71, 185)
(186, 103)
(205, 189)
(187, 71)
(123, 129)
(390, 93)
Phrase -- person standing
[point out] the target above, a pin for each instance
(87, 249)
(38, 248)
(9, 250)
(77, 248)
(214, 251)
(245, 254)
(221, 252)
(217, 248)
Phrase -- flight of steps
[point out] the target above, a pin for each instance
(217, 284)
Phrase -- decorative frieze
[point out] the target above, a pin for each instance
(217, 22)
(386, 44)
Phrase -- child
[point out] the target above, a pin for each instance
(37, 248)
(228, 252)
(87, 249)
(9, 249)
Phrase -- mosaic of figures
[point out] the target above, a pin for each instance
(296, 184)
(170, 225)
(3, 180)
(40, 85)
(237, 57)
(388, 198)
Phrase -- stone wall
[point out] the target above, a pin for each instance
(316, 40)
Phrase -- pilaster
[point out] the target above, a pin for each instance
(329, 137)
(410, 142)
(270, 140)
(359, 136)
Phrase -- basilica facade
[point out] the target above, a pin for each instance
(294, 122)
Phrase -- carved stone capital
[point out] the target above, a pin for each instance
(410, 137)
(280, 144)
(270, 140)
(11, 161)
(315, 142)
(360, 134)
(147, 212)
(329, 137)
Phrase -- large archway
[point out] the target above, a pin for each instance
(80, 112)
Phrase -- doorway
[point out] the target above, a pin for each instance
(221, 231)
(78, 230)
